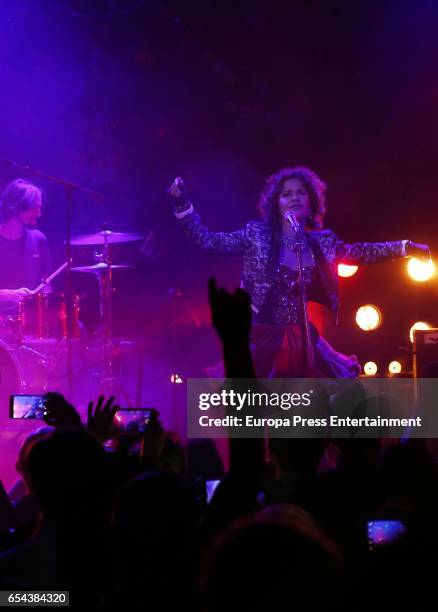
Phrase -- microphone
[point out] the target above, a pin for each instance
(289, 216)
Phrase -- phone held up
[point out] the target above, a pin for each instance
(27, 406)
(135, 420)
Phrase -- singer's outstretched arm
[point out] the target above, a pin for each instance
(228, 243)
(360, 253)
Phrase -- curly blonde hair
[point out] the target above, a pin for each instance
(315, 187)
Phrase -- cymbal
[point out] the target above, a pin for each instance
(105, 237)
(100, 268)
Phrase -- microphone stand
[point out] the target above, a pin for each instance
(307, 357)
(178, 303)
(69, 189)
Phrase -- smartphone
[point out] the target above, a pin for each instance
(210, 488)
(135, 420)
(384, 532)
(27, 406)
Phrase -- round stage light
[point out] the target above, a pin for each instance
(419, 270)
(395, 367)
(368, 317)
(418, 325)
(370, 368)
(346, 271)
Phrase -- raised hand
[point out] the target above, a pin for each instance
(154, 438)
(230, 313)
(100, 421)
(176, 190)
(178, 195)
(59, 412)
(421, 251)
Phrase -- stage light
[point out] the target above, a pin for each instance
(370, 368)
(395, 367)
(368, 317)
(418, 325)
(346, 271)
(419, 270)
(176, 379)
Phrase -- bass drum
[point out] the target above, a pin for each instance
(22, 371)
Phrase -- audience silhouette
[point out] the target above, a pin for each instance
(121, 520)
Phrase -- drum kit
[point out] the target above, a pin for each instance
(35, 339)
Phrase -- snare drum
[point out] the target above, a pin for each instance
(45, 316)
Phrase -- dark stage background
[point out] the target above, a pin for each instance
(122, 96)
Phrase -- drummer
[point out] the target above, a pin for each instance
(24, 251)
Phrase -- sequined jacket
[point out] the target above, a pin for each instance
(260, 246)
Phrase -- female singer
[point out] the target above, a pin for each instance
(288, 259)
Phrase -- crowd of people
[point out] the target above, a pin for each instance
(121, 519)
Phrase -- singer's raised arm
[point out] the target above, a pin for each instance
(228, 243)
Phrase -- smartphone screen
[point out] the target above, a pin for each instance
(384, 532)
(27, 406)
(134, 420)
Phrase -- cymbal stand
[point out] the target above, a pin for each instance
(177, 305)
(105, 310)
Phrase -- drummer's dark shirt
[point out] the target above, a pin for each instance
(25, 261)
(12, 272)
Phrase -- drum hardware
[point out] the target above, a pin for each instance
(42, 322)
(104, 238)
(44, 316)
(103, 271)
(39, 318)
(128, 368)
(23, 370)
(100, 268)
